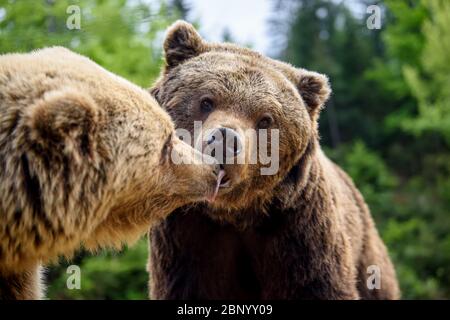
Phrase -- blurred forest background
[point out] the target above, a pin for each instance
(387, 123)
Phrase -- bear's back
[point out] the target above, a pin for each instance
(28, 76)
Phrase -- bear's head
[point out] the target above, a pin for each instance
(258, 116)
(94, 134)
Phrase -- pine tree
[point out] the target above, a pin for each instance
(431, 87)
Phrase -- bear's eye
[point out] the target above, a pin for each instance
(265, 122)
(206, 105)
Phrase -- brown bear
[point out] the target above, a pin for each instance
(85, 158)
(304, 232)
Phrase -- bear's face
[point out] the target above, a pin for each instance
(255, 115)
(145, 158)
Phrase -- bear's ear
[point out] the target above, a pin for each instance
(314, 89)
(65, 123)
(182, 42)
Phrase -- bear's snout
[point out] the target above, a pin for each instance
(223, 144)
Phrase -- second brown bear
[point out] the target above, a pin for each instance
(304, 232)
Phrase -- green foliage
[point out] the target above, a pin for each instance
(431, 87)
(123, 36)
(107, 275)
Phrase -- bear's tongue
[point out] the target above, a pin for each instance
(220, 176)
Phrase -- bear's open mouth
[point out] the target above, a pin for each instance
(223, 179)
(222, 182)
(225, 183)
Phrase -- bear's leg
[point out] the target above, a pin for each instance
(376, 274)
(193, 257)
(21, 286)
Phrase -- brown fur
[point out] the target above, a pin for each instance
(303, 233)
(84, 158)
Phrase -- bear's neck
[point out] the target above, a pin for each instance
(299, 198)
(302, 180)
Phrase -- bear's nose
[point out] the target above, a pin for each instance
(225, 142)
